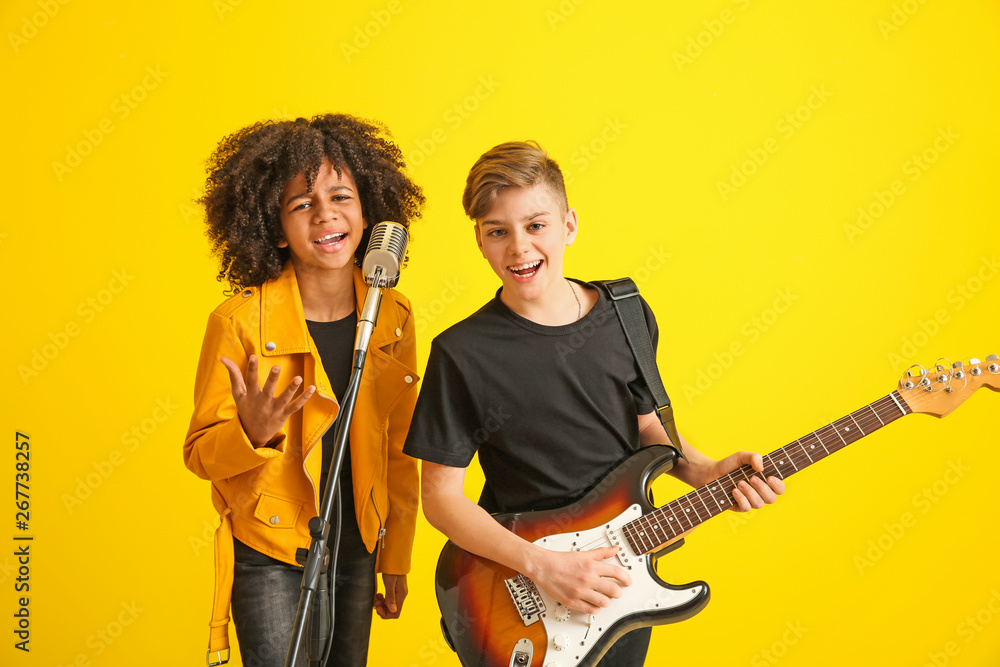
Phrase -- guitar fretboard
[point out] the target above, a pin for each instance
(651, 531)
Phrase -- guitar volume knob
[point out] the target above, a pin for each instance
(560, 642)
(562, 613)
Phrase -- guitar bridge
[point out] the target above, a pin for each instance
(527, 599)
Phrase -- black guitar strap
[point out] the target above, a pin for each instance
(625, 296)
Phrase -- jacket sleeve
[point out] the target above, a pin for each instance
(403, 473)
(216, 447)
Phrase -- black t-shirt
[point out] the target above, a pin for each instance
(550, 410)
(335, 344)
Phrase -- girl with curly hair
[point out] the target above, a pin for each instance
(290, 206)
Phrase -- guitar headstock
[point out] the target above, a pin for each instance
(939, 390)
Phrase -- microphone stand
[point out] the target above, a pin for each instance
(312, 603)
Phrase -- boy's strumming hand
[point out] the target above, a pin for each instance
(261, 412)
(580, 579)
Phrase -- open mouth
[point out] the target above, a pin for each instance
(526, 270)
(331, 239)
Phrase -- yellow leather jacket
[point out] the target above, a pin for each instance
(266, 496)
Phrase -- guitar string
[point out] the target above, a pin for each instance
(864, 423)
(637, 530)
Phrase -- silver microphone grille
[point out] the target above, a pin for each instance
(385, 252)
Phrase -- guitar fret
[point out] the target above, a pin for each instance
(629, 532)
(645, 532)
(667, 521)
(686, 513)
(832, 446)
(784, 460)
(791, 459)
(714, 507)
(710, 515)
(673, 521)
(656, 526)
(815, 434)
(844, 431)
(636, 525)
(820, 440)
(644, 541)
(710, 510)
(726, 499)
(857, 424)
(876, 415)
(641, 530)
(803, 448)
(837, 431)
(651, 530)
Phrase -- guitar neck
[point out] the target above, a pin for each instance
(655, 529)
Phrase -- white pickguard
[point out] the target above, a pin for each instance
(577, 632)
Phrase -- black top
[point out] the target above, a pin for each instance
(335, 343)
(550, 410)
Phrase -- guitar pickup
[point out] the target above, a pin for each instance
(527, 599)
(616, 540)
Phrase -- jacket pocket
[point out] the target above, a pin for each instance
(276, 511)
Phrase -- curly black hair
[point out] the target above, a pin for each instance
(249, 169)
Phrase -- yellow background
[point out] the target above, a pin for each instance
(808, 111)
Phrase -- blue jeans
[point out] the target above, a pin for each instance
(266, 595)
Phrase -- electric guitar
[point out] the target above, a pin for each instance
(493, 616)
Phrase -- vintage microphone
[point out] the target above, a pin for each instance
(385, 253)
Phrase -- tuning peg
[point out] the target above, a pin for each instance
(992, 357)
(959, 372)
(957, 364)
(994, 367)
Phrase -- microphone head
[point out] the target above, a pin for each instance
(385, 253)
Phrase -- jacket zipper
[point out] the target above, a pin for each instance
(381, 528)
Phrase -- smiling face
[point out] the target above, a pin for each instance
(524, 236)
(322, 226)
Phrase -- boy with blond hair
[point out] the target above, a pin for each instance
(548, 415)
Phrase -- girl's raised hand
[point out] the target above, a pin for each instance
(262, 413)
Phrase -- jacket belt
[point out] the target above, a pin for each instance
(225, 562)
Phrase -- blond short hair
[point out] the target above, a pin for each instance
(513, 164)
